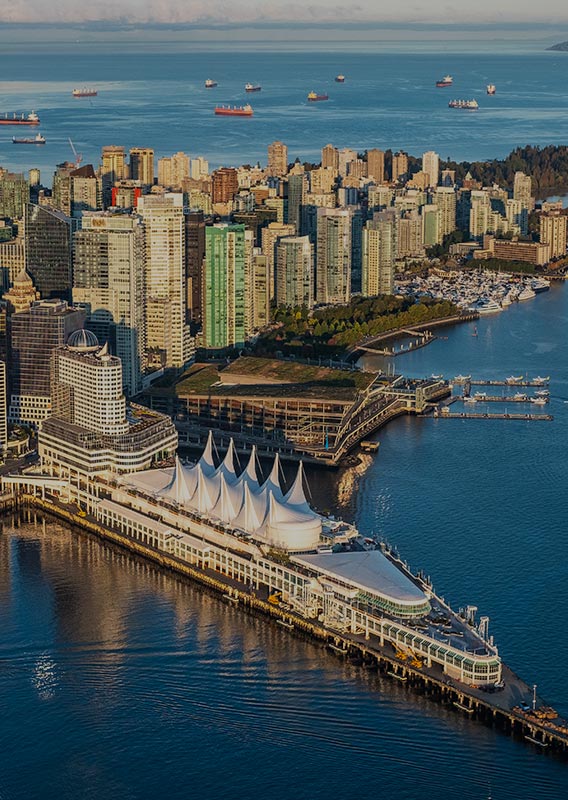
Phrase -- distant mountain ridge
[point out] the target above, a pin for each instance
(562, 47)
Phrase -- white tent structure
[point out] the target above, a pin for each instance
(237, 501)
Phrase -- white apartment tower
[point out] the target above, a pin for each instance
(379, 254)
(431, 166)
(295, 272)
(333, 259)
(168, 340)
(109, 273)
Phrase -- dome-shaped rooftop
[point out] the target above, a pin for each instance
(83, 341)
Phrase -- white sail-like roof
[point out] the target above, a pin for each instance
(249, 475)
(206, 462)
(206, 493)
(229, 501)
(190, 475)
(272, 483)
(296, 497)
(178, 489)
(285, 521)
(252, 514)
(227, 467)
(290, 528)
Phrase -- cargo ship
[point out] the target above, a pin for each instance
(313, 97)
(447, 80)
(37, 139)
(209, 84)
(235, 111)
(340, 79)
(491, 89)
(84, 92)
(466, 105)
(252, 87)
(22, 119)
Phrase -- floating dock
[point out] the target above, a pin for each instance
(460, 380)
(478, 415)
(501, 399)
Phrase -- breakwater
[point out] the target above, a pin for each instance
(491, 709)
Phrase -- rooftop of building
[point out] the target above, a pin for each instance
(368, 571)
(268, 377)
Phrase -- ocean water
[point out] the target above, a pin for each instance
(388, 100)
(119, 681)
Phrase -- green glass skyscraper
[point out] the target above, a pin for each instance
(227, 255)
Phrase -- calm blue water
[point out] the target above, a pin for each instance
(388, 100)
(117, 681)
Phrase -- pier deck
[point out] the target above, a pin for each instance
(500, 708)
(461, 381)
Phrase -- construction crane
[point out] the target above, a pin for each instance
(78, 156)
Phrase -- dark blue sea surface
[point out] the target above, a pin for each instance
(388, 100)
(117, 681)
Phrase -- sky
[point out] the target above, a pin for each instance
(205, 12)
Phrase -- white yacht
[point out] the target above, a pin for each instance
(527, 294)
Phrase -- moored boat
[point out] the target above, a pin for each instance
(527, 294)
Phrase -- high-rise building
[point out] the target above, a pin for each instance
(333, 255)
(76, 189)
(431, 166)
(113, 168)
(173, 171)
(379, 254)
(34, 336)
(517, 216)
(228, 255)
(142, 165)
(376, 165)
(277, 159)
(168, 339)
(410, 240)
(345, 157)
(399, 167)
(224, 185)
(109, 285)
(194, 266)
(445, 198)
(14, 194)
(430, 226)
(34, 177)
(22, 294)
(330, 157)
(522, 189)
(295, 193)
(12, 258)
(553, 233)
(199, 168)
(295, 272)
(48, 240)
(357, 168)
(270, 237)
(258, 293)
(322, 180)
(91, 429)
(3, 409)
